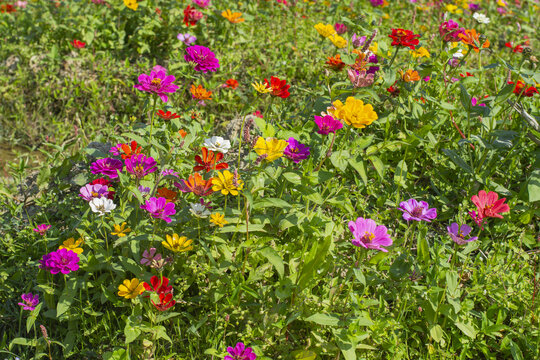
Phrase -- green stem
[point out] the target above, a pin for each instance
(152, 120)
(394, 57)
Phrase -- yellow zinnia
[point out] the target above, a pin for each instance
(271, 147)
(225, 183)
(233, 17)
(218, 219)
(71, 244)
(410, 76)
(325, 30)
(132, 4)
(337, 40)
(120, 230)
(177, 244)
(354, 112)
(420, 52)
(261, 87)
(130, 289)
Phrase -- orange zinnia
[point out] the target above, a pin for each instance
(200, 93)
(233, 17)
(335, 63)
(410, 76)
(182, 133)
(472, 38)
(231, 83)
(209, 161)
(169, 195)
(196, 184)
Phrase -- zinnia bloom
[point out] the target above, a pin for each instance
(278, 87)
(240, 352)
(169, 195)
(209, 161)
(340, 28)
(231, 83)
(354, 112)
(271, 147)
(325, 30)
(261, 88)
(29, 301)
(195, 184)
(200, 93)
(410, 76)
(204, 59)
(42, 229)
(191, 16)
(327, 124)
(88, 192)
(120, 230)
(140, 165)
(102, 205)
(218, 219)
(420, 52)
(522, 90)
(361, 78)
(159, 208)
(186, 38)
(358, 41)
(73, 245)
(202, 3)
(167, 115)
(199, 210)
(158, 82)
(107, 167)
(489, 204)
(417, 211)
(177, 244)
(406, 38)
(130, 289)
(227, 182)
(165, 302)
(472, 38)
(149, 257)
(335, 63)
(131, 4)
(78, 44)
(368, 235)
(217, 144)
(338, 41)
(296, 151)
(450, 30)
(233, 17)
(62, 260)
(126, 151)
(460, 234)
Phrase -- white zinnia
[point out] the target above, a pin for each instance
(199, 210)
(217, 143)
(102, 205)
(481, 18)
(458, 54)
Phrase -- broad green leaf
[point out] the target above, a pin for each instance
(533, 186)
(360, 167)
(378, 165)
(293, 178)
(452, 283)
(32, 318)
(436, 333)
(304, 355)
(275, 259)
(401, 173)
(340, 159)
(467, 329)
(66, 299)
(271, 202)
(131, 333)
(456, 159)
(324, 319)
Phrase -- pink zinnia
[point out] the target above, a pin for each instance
(450, 30)
(203, 58)
(158, 82)
(368, 235)
(327, 124)
(240, 352)
(417, 210)
(159, 208)
(202, 3)
(107, 166)
(42, 229)
(489, 204)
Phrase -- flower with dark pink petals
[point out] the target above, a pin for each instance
(327, 124)
(369, 235)
(340, 28)
(159, 208)
(29, 301)
(240, 352)
(203, 58)
(296, 151)
(60, 261)
(191, 16)
(42, 229)
(158, 82)
(107, 167)
(450, 30)
(140, 165)
(417, 211)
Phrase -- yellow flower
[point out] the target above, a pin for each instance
(71, 244)
(120, 230)
(501, 3)
(420, 52)
(374, 47)
(410, 76)
(453, 9)
(233, 17)
(225, 183)
(271, 147)
(130, 289)
(354, 112)
(177, 244)
(261, 87)
(132, 4)
(339, 41)
(218, 219)
(325, 30)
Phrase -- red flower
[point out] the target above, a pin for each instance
(165, 302)
(195, 184)
(258, 114)
(209, 161)
(129, 150)
(7, 8)
(393, 90)
(158, 285)
(100, 181)
(167, 115)
(467, 74)
(406, 38)
(521, 90)
(517, 49)
(278, 87)
(78, 44)
(191, 16)
(489, 204)
(231, 83)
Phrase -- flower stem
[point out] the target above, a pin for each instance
(152, 119)
(394, 57)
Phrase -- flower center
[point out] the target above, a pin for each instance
(156, 81)
(367, 238)
(94, 194)
(139, 170)
(417, 211)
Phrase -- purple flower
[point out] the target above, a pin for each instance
(204, 59)
(368, 235)
(296, 151)
(327, 124)
(62, 260)
(340, 28)
(144, 189)
(159, 208)
(201, 3)
(29, 301)
(418, 211)
(150, 256)
(186, 38)
(158, 82)
(42, 229)
(140, 165)
(107, 166)
(450, 30)
(376, 3)
(460, 233)
(240, 352)
(169, 172)
(474, 7)
(88, 191)
(358, 41)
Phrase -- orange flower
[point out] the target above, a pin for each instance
(231, 83)
(200, 93)
(209, 161)
(472, 38)
(182, 133)
(169, 195)
(196, 184)
(410, 76)
(233, 17)
(335, 63)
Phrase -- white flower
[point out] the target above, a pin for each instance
(102, 205)
(217, 143)
(199, 210)
(481, 18)
(458, 54)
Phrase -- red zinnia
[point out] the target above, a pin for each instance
(100, 181)
(467, 74)
(393, 90)
(129, 150)
(78, 44)
(158, 285)
(165, 302)
(517, 49)
(167, 115)
(403, 37)
(7, 8)
(209, 161)
(521, 90)
(489, 204)
(231, 83)
(191, 16)
(278, 87)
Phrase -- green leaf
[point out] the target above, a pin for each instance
(340, 159)
(378, 165)
(32, 318)
(360, 167)
(452, 283)
(66, 299)
(533, 186)
(131, 333)
(436, 333)
(267, 129)
(324, 319)
(400, 174)
(293, 178)
(467, 329)
(119, 354)
(456, 159)
(274, 259)
(304, 355)
(271, 202)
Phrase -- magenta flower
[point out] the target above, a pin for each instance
(296, 151)
(42, 229)
(417, 211)
(88, 191)
(477, 218)
(158, 82)
(62, 260)
(240, 352)
(368, 235)
(203, 58)
(474, 102)
(107, 166)
(202, 3)
(450, 30)
(460, 234)
(169, 172)
(29, 301)
(358, 41)
(340, 28)
(327, 124)
(474, 7)
(159, 208)
(140, 165)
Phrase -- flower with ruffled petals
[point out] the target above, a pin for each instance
(102, 205)
(167, 115)
(278, 87)
(29, 301)
(354, 112)
(88, 192)
(186, 38)
(217, 144)
(195, 184)
(325, 30)
(107, 167)
(233, 17)
(159, 208)
(489, 204)
(338, 41)
(296, 151)
(203, 58)
(73, 245)
(169, 195)
(472, 38)
(327, 124)
(218, 219)
(340, 28)
(450, 30)
(191, 16)
(271, 147)
(522, 90)
(227, 183)
(460, 234)
(158, 82)
(335, 63)
(240, 352)
(130, 289)
(369, 235)
(200, 93)
(404, 38)
(126, 151)
(140, 165)
(417, 211)
(62, 260)
(42, 229)
(209, 161)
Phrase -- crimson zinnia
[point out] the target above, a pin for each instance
(489, 204)
(407, 38)
(278, 87)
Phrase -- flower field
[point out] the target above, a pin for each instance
(269, 179)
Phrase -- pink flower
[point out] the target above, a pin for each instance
(202, 3)
(159, 208)
(368, 235)
(42, 229)
(489, 204)
(450, 30)
(158, 82)
(240, 352)
(417, 210)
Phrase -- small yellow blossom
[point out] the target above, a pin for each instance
(374, 47)
(132, 4)
(453, 9)
(130, 289)
(261, 87)
(120, 230)
(71, 244)
(325, 30)
(233, 17)
(226, 183)
(271, 147)
(338, 41)
(354, 112)
(177, 244)
(501, 3)
(218, 219)
(420, 52)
